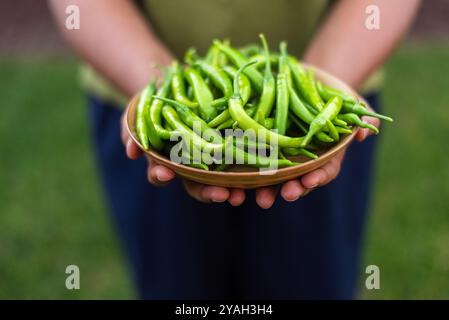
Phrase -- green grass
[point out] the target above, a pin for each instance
(408, 235)
(51, 209)
(52, 213)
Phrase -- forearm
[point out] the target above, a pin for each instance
(114, 38)
(346, 48)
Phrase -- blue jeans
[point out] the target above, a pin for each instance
(179, 248)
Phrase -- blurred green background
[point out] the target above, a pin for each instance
(52, 212)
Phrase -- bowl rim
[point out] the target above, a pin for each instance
(330, 153)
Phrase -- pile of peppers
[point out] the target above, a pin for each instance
(247, 88)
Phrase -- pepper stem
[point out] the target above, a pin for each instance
(267, 54)
(237, 76)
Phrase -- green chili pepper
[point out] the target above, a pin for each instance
(190, 93)
(354, 119)
(360, 110)
(328, 93)
(192, 120)
(230, 122)
(172, 118)
(192, 151)
(202, 94)
(239, 60)
(269, 123)
(249, 158)
(323, 137)
(212, 56)
(341, 130)
(222, 117)
(191, 56)
(315, 97)
(283, 62)
(227, 124)
(224, 120)
(178, 87)
(249, 144)
(311, 109)
(281, 154)
(219, 78)
(339, 122)
(283, 82)
(246, 122)
(299, 151)
(250, 49)
(142, 109)
(156, 132)
(269, 88)
(186, 158)
(333, 133)
(222, 59)
(282, 98)
(305, 84)
(350, 104)
(329, 112)
(261, 60)
(260, 162)
(244, 83)
(299, 108)
(252, 159)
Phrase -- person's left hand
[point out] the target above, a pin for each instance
(293, 189)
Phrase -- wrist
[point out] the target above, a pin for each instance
(150, 67)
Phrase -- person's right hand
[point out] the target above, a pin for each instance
(159, 175)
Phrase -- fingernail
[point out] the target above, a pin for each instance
(265, 205)
(216, 200)
(159, 176)
(293, 199)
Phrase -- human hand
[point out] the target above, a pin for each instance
(159, 175)
(293, 189)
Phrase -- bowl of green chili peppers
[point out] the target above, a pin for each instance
(245, 117)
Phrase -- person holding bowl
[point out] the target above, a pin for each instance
(185, 240)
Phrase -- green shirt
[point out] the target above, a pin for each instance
(184, 23)
(181, 24)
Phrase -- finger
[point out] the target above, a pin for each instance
(237, 197)
(159, 175)
(292, 190)
(132, 149)
(314, 178)
(363, 133)
(324, 174)
(205, 193)
(266, 196)
(215, 194)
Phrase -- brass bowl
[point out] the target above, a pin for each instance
(241, 176)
